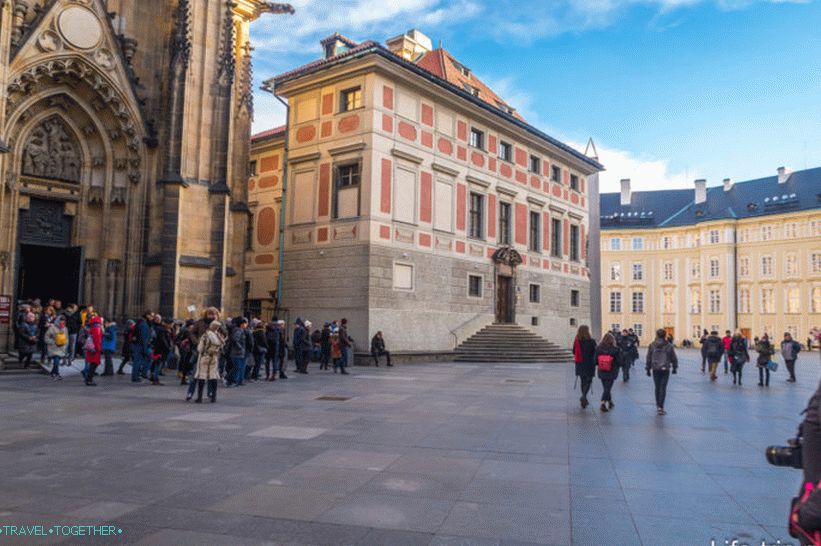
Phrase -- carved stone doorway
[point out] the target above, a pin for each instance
(506, 259)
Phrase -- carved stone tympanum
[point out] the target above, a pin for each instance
(51, 152)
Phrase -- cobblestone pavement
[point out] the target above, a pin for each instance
(440, 454)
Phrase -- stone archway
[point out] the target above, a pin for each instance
(506, 259)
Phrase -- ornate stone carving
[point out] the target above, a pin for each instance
(96, 194)
(118, 195)
(507, 256)
(48, 41)
(120, 163)
(51, 152)
(105, 59)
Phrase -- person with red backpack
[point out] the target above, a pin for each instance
(584, 354)
(608, 356)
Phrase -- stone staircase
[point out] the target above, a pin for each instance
(510, 343)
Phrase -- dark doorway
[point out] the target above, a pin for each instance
(48, 272)
(504, 300)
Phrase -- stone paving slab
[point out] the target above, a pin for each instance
(440, 454)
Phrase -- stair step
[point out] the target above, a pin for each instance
(510, 343)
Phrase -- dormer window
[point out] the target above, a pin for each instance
(463, 70)
(472, 90)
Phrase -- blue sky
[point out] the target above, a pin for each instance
(670, 90)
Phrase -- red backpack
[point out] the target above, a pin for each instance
(605, 362)
(811, 538)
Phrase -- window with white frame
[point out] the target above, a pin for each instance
(714, 237)
(696, 331)
(615, 271)
(477, 138)
(766, 266)
(505, 151)
(350, 99)
(743, 235)
(668, 271)
(638, 329)
(476, 214)
(695, 301)
(715, 300)
(347, 178)
(637, 302)
(790, 230)
(815, 263)
(766, 233)
(815, 228)
(815, 300)
(638, 243)
(793, 297)
(744, 266)
(666, 242)
(767, 300)
(743, 300)
(791, 265)
(714, 267)
(402, 276)
(615, 302)
(615, 243)
(638, 272)
(669, 301)
(695, 269)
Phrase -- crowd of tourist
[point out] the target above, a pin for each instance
(204, 352)
(620, 350)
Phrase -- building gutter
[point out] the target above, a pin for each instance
(272, 89)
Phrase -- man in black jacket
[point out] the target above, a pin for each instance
(73, 327)
(378, 349)
(809, 513)
(714, 350)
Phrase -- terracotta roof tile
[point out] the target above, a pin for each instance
(270, 133)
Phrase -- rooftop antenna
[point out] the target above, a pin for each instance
(591, 146)
(440, 43)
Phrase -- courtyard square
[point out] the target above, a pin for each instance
(439, 454)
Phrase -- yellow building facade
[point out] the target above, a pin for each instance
(745, 255)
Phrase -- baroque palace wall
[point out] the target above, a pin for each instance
(400, 191)
(127, 125)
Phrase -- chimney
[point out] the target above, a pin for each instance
(626, 194)
(784, 174)
(411, 45)
(728, 184)
(701, 191)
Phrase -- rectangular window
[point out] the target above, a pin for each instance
(638, 302)
(574, 243)
(793, 299)
(476, 216)
(504, 223)
(574, 182)
(535, 231)
(666, 242)
(714, 267)
(252, 168)
(535, 293)
(535, 164)
(574, 298)
(766, 266)
(766, 233)
(477, 138)
(474, 286)
(695, 269)
(791, 230)
(638, 272)
(615, 327)
(556, 238)
(556, 174)
(346, 190)
(744, 266)
(505, 151)
(638, 243)
(815, 301)
(350, 99)
(615, 244)
(715, 301)
(744, 300)
(714, 237)
(615, 271)
(815, 228)
(638, 329)
(791, 265)
(815, 263)
(767, 300)
(443, 206)
(668, 271)
(402, 276)
(615, 302)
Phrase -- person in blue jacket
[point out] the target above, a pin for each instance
(141, 347)
(109, 346)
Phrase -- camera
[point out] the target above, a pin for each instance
(788, 455)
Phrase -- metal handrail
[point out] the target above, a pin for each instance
(453, 332)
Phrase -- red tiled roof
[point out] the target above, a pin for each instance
(320, 62)
(270, 133)
(337, 36)
(441, 64)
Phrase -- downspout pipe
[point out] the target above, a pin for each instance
(272, 90)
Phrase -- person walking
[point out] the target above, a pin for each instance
(307, 347)
(738, 355)
(57, 344)
(608, 357)
(789, 352)
(46, 318)
(186, 343)
(378, 349)
(584, 354)
(629, 353)
(325, 346)
(346, 343)
(93, 348)
(209, 349)
(128, 339)
(272, 341)
(337, 352)
(238, 350)
(714, 349)
(765, 352)
(298, 339)
(109, 347)
(728, 337)
(73, 325)
(141, 347)
(260, 348)
(161, 347)
(28, 339)
(703, 341)
(661, 358)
